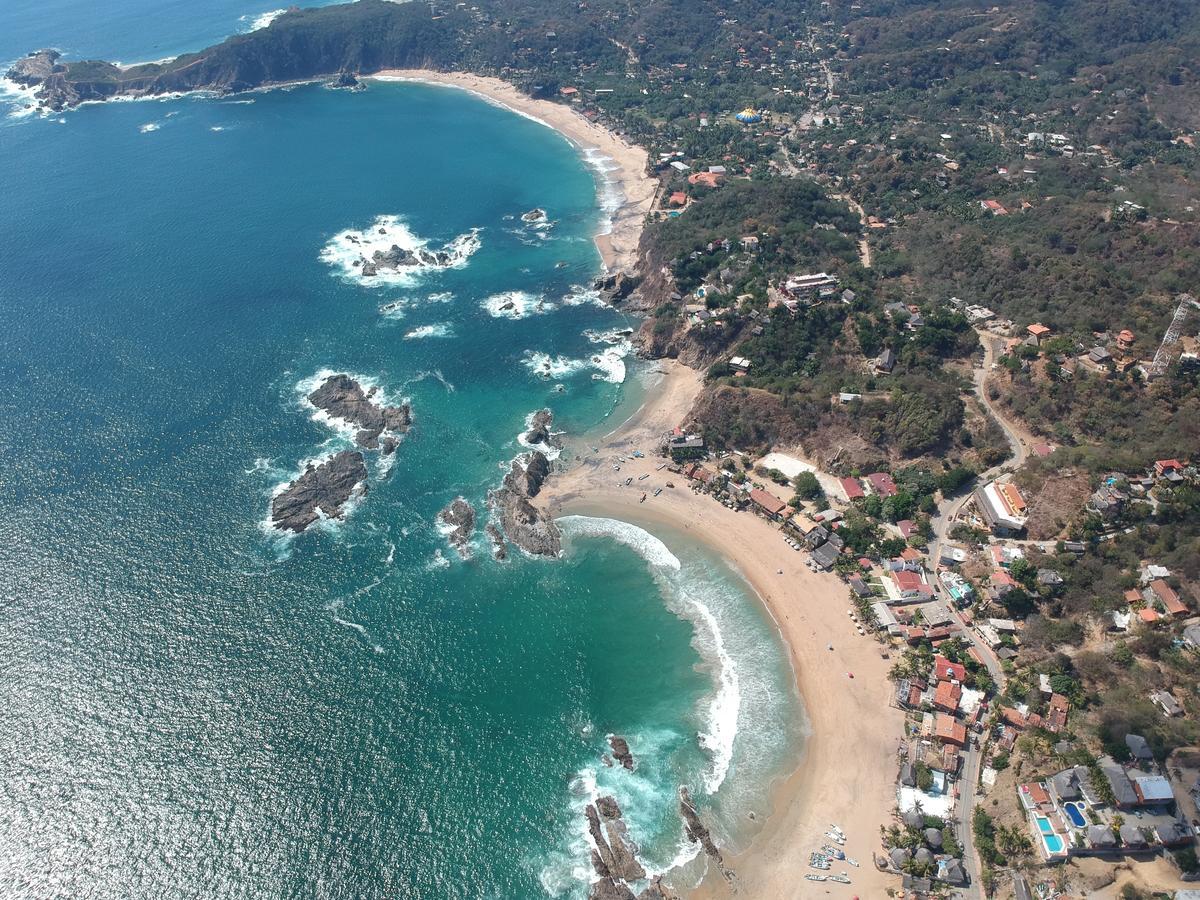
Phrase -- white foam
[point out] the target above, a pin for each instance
(552, 367)
(724, 710)
(608, 191)
(637, 539)
(551, 453)
(23, 99)
(347, 250)
(216, 128)
(441, 330)
(149, 126)
(609, 364)
(581, 294)
(262, 20)
(516, 305)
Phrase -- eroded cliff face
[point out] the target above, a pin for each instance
(302, 44)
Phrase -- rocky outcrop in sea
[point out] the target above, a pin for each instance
(517, 519)
(458, 518)
(538, 433)
(397, 258)
(379, 427)
(322, 489)
(698, 833)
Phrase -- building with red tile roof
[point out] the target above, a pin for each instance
(944, 670)
(1167, 596)
(949, 730)
(768, 503)
(852, 489)
(947, 696)
(882, 484)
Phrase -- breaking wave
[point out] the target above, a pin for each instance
(352, 253)
(440, 330)
(516, 305)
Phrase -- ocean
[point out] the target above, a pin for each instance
(195, 705)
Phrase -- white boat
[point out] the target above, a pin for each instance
(812, 877)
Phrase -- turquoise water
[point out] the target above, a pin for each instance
(195, 706)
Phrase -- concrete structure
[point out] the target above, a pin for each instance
(1001, 507)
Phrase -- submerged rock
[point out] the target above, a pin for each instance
(343, 398)
(321, 489)
(459, 516)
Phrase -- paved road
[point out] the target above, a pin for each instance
(948, 511)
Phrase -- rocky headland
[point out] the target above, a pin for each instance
(379, 427)
(538, 433)
(522, 523)
(321, 490)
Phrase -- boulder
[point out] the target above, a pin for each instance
(341, 397)
(620, 751)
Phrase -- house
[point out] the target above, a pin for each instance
(809, 285)
(949, 730)
(909, 584)
(1152, 790)
(1191, 636)
(824, 556)
(994, 207)
(768, 504)
(1166, 701)
(882, 484)
(1165, 594)
(569, 91)
(1001, 507)
(852, 489)
(947, 696)
(884, 362)
(1164, 467)
(1038, 332)
(708, 179)
(906, 528)
(678, 198)
(944, 670)
(1138, 748)
(749, 243)
(740, 363)
(681, 446)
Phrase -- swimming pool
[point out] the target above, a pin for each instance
(1053, 842)
(1045, 826)
(1075, 814)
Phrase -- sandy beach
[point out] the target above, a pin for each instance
(846, 774)
(625, 164)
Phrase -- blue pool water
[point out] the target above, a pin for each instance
(1045, 826)
(1075, 814)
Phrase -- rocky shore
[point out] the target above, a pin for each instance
(321, 490)
(379, 427)
(522, 523)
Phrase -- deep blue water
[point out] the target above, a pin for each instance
(193, 706)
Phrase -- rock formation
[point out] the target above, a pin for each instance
(620, 751)
(615, 855)
(697, 831)
(459, 517)
(344, 398)
(499, 548)
(520, 521)
(537, 214)
(302, 44)
(320, 489)
(616, 287)
(539, 430)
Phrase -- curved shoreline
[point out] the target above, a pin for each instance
(845, 772)
(619, 245)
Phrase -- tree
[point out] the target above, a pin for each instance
(807, 486)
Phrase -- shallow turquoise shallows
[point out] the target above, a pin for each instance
(196, 707)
